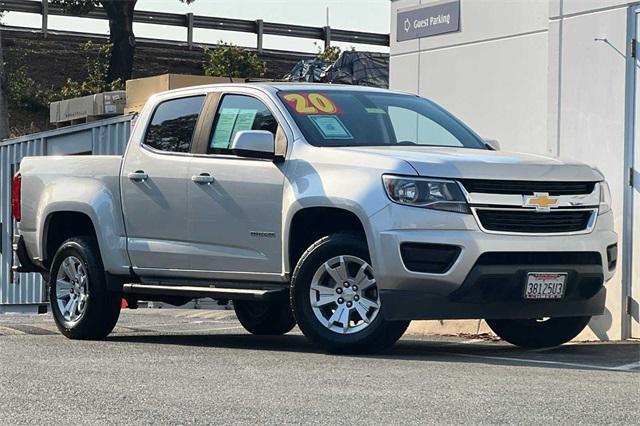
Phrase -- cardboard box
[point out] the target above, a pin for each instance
(141, 89)
(88, 107)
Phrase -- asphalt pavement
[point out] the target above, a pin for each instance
(199, 367)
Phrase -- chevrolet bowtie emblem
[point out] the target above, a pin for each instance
(541, 201)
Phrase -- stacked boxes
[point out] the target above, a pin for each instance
(141, 89)
(87, 108)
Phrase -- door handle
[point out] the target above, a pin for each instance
(202, 178)
(138, 176)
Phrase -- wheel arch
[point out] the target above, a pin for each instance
(60, 225)
(308, 224)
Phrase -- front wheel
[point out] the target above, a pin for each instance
(335, 298)
(538, 333)
(82, 306)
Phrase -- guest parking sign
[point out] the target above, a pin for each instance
(428, 21)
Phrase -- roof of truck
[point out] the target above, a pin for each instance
(268, 87)
(275, 86)
(286, 85)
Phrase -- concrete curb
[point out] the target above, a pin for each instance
(455, 327)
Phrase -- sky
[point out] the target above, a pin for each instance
(358, 15)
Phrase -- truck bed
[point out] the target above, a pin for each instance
(53, 183)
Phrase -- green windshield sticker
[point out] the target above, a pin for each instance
(375, 111)
(330, 127)
(224, 127)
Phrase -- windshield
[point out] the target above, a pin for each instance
(358, 118)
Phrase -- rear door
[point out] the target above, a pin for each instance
(154, 183)
(235, 219)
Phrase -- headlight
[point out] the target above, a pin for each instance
(427, 193)
(605, 197)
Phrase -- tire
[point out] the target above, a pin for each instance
(321, 323)
(96, 309)
(533, 334)
(265, 318)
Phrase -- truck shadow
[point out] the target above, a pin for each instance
(582, 356)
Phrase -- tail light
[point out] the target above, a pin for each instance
(16, 193)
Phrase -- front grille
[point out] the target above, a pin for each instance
(531, 222)
(526, 187)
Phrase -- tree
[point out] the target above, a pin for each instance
(233, 61)
(120, 15)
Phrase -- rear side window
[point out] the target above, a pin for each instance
(173, 123)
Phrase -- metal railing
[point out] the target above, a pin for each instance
(191, 21)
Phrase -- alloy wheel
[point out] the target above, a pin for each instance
(344, 295)
(72, 289)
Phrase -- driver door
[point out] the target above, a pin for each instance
(235, 203)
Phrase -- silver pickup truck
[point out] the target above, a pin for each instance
(348, 211)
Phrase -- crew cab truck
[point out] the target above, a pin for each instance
(349, 211)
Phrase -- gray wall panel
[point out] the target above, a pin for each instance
(104, 137)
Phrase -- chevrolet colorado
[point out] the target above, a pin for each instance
(349, 211)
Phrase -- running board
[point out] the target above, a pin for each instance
(200, 292)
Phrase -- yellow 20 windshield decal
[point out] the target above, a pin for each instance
(311, 103)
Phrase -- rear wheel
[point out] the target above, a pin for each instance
(82, 306)
(538, 333)
(335, 298)
(265, 318)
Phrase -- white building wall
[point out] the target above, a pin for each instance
(589, 123)
(483, 85)
(477, 73)
(530, 74)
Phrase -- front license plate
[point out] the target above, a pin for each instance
(545, 285)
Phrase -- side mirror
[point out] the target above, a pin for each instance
(492, 144)
(254, 144)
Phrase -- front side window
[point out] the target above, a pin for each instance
(368, 118)
(173, 123)
(237, 113)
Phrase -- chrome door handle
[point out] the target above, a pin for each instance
(138, 176)
(203, 178)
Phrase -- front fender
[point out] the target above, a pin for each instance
(334, 178)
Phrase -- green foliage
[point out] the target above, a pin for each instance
(24, 93)
(331, 53)
(232, 61)
(75, 7)
(97, 66)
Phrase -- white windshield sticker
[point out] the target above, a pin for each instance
(330, 127)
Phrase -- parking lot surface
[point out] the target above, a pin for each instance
(198, 366)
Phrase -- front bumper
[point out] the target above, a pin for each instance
(472, 289)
